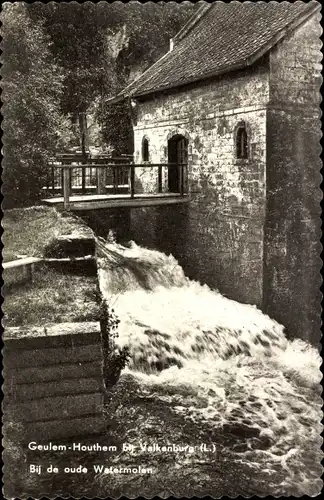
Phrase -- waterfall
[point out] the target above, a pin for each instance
(218, 363)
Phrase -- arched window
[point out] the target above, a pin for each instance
(145, 150)
(241, 142)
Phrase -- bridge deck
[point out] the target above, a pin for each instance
(95, 201)
(119, 177)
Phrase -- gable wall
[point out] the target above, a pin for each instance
(295, 64)
(218, 238)
(292, 229)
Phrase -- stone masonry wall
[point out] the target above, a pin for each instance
(218, 237)
(292, 229)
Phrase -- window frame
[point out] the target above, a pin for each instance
(241, 142)
(145, 150)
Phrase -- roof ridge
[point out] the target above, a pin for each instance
(141, 76)
(312, 7)
(170, 71)
(194, 19)
(185, 29)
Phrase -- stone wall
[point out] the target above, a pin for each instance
(292, 230)
(219, 236)
(295, 65)
(54, 382)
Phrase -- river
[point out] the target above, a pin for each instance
(211, 374)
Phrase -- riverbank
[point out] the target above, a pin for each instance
(212, 379)
(56, 292)
(49, 374)
(53, 297)
(27, 231)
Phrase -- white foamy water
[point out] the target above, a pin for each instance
(233, 366)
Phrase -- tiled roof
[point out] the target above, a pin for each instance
(225, 36)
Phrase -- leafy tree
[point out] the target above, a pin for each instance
(32, 86)
(58, 60)
(77, 33)
(99, 46)
(147, 30)
(150, 27)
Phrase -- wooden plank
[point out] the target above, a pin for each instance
(92, 202)
(86, 258)
(112, 197)
(56, 407)
(64, 429)
(94, 205)
(45, 357)
(58, 372)
(130, 202)
(24, 392)
(34, 260)
(21, 262)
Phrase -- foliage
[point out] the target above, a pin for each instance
(32, 86)
(14, 434)
(54, 296)
(146, 32)
(28, 231)
(150, 26)
(120, 135)
(115, 358)
(78, 47)
(58, 60)
(99, 46)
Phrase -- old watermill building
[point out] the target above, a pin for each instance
(237, 98)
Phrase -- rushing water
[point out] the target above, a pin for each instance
(225, 365)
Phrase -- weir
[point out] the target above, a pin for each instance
(215, 362)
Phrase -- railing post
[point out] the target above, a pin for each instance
(114, 169)
(132, 180)
(101, 180)
(83, 183)
(159, 179)
(66, 187)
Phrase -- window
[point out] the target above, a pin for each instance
(241, 141)
(145, 149)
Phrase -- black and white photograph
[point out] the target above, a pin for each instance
(161, 254)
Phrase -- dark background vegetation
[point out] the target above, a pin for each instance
(61, 63)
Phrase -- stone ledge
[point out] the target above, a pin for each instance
(18, 333)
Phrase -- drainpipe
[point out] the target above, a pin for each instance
(133, 107)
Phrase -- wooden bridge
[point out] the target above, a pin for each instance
(87, 183)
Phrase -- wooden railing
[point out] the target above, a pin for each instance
(83, 176)
(114, 177)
